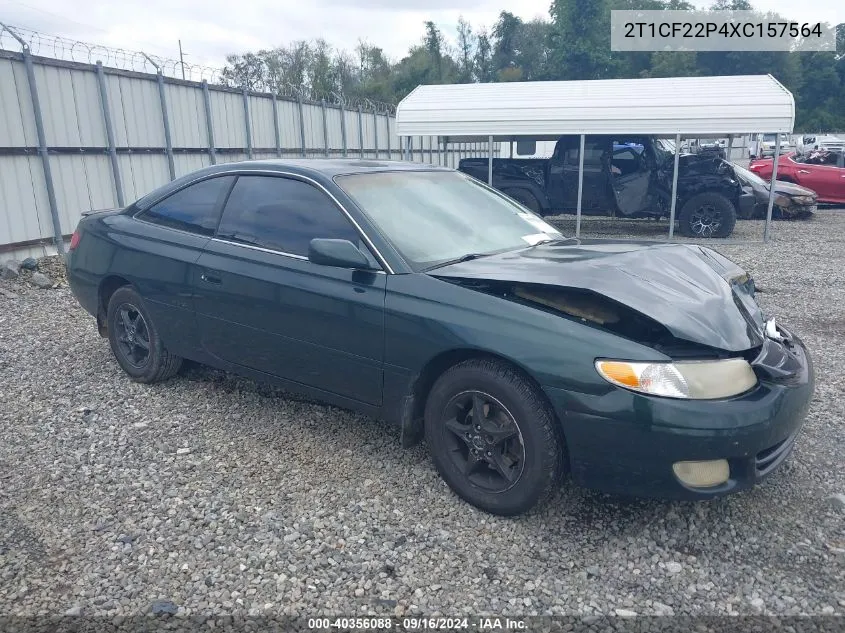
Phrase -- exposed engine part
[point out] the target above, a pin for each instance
(577, 305)
(599, 311)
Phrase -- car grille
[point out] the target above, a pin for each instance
(770, 458)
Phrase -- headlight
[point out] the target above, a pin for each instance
(697, 380)
(782, 200)
(804, 199)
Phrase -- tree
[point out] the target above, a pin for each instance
(533, 46)
(287, 66)
(636, 63)
(672, 64)
(484, 58)
(245, 71)
(731, 5)
(580, 39)
(575, 44)
(466, 52)
(322, 76)
(506, 35)
(433, 43)
(820, 97)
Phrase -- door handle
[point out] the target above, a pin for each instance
(803, 171)
(210, 278)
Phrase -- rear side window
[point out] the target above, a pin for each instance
(282, 214)
(593, 150)
(195, 208)
(592, 155)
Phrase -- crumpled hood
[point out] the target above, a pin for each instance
(791, 189)
(696, 293)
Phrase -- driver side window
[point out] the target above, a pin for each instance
(283, 214)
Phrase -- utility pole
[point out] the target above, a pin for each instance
(181, 59)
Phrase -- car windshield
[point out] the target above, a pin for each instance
(437, 217)
(749, 176)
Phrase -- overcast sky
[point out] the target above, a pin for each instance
(209, 29)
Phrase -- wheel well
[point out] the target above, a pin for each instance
(413, 422)
(108, 286)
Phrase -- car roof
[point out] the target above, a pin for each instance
(328, 167)
(320, 169)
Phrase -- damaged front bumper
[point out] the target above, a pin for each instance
(793, 211)
(624, 442)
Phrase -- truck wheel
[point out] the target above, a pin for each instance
(525, 198)
(707, 214)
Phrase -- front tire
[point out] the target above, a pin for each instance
(135, 341)
(707, 214)
(493, 437)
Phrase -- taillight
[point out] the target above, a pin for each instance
(74, 240)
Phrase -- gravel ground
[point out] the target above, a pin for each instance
(221, 495)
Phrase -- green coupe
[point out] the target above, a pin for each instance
(419, 295)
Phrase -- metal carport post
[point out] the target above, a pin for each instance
(580, 185)
(772, 187)
(490, 160)
(674, 202)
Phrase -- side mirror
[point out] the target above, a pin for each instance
(338, 253)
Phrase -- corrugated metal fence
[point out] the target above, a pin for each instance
(78, 136)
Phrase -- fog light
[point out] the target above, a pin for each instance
(702, 474)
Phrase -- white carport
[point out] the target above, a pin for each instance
(546, 110)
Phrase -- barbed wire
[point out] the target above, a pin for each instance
(58, 47)
(14, 38)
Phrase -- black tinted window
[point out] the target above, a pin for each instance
(282, 214)
(593, 153)
(193, 208)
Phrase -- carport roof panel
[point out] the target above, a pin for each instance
(666, 106)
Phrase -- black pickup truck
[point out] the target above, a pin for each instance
(624, 176)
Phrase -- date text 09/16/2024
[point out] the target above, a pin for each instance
(417, 624)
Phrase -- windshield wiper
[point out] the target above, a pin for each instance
(457, 260)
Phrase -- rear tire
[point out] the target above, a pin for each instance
(525, 198)
(135, 341)
(492, 437)
(707, 214)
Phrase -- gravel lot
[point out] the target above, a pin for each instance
(221, 495)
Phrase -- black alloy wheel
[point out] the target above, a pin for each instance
(133, 335)
(485, 441)
(706, 221)
(135, 340)
(707, 214)
(493, 436)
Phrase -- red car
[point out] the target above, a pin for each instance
(823, 171)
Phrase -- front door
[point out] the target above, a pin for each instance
(824, 175)
(260, 303)
(567, 162)
(630, 176)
